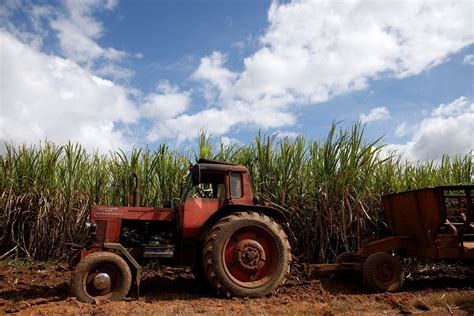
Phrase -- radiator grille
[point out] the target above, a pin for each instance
(100, 231)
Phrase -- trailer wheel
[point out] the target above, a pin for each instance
(382, 272)
(101, 275)
(246, 254)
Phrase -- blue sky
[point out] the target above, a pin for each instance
(115, 74)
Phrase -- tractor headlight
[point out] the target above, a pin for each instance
(91, 226)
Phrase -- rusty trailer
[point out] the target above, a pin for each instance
(433, 223)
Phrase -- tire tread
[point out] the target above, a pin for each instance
(368, 271)
(210, 247)
(87, 262)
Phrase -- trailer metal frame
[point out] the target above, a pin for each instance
(434, 223)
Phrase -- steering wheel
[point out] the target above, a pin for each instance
(203, 194)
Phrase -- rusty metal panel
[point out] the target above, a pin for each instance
(314, 268)
(413, 213)
(196, 212)
(429, 206)
(439, 219)
(388, 243)
(469, 250)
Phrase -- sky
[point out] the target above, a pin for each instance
(120, 73)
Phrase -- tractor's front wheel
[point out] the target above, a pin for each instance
(246, 254)
(101, 275)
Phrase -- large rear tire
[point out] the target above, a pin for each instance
(246, 254)
(382, 272)
(101, 275)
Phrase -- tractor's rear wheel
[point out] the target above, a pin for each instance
(382, 272)
(101, 275)
(246, 254)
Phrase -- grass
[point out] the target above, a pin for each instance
(330, 188)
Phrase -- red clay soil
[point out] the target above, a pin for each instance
(44, 289)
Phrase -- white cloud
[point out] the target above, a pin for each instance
(78, 31)
(311, 51)
(217, 122)
(188, 126)
(448, 129)
(229, 141)
(75, 98)
(212, 73)
(403, 129)
(456, 108)
(48, 97)
(286, 134)
(315, 50)
(80, 47)
(38, 14)
(211, 70)
(167, 104)
(115, 72)
(469, 60)
(375, 114)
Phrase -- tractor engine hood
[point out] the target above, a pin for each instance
(103, 212)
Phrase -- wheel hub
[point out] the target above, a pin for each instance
(385, 273)
(249, 255)
(101, 281)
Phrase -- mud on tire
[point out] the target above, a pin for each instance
(246, 254)
(382, 272)
(101, 275)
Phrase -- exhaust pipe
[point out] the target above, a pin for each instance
(136, 193)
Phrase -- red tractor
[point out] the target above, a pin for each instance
(217, 228)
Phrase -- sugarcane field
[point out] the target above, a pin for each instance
(332, 208)
(270, 157)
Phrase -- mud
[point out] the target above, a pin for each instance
(432, 290)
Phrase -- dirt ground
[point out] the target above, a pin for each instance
(44, 289)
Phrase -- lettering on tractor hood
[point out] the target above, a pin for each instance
(107, 211)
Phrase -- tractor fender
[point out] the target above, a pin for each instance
(277, 215)
(120, 250)
(130, 260)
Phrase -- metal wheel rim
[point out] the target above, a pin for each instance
(104, 269)
(385, 273)
(250, 272)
